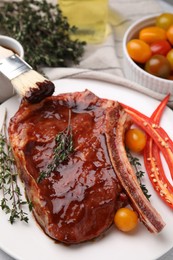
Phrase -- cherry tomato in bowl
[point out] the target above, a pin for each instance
(160, 47)
(169, 34)
(158, 65)
(138, 50)
(152, 34)
(170, 57)
(164, 20)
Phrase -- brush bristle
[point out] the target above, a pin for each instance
(27, 81)
(32, 86)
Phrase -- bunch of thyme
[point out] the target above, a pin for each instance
(64, 147)
(11, 201)
(43, 32)
(134, 161)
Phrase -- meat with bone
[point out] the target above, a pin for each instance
(77, 202)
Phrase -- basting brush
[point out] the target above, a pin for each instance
(27, 82)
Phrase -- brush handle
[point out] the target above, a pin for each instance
(13, 66)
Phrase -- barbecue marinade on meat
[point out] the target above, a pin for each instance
(77, 202)
(79, 199)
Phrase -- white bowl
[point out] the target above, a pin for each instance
(12, 44)
(6, 88)
(133, 71)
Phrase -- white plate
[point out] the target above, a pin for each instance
(27, 241)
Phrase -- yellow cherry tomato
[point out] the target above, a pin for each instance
(138, 50)
(169, 34)
(126, 219)
(135, 139)
(170, 58)
(152, 34)
(164, 20)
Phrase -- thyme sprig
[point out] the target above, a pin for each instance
(135, 162)
(64, 147)
(43, 31)
(11, 202)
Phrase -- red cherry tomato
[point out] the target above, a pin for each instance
(138, 50)
(160, 47)
(159, 66)
(164, 20)
(152, 34)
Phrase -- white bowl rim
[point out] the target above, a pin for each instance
(15, 42)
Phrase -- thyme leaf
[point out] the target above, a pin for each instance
(11, 202)
(134, 161)
(64, 147)
(43, 31)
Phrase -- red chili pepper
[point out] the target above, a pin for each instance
(156, 132)
(152, 158)
(153, 163)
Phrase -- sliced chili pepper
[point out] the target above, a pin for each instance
(156, 174)
(156, 132)
(153, 162)
(156, 115)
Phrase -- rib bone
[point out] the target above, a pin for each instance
(117, 122)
